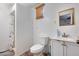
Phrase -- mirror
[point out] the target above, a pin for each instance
(66, 17)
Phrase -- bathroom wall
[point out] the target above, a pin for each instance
(4, 27)
(46, 25)
(23, 30)
(50, 22)
(72, 30)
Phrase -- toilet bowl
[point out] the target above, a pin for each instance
(36, 48)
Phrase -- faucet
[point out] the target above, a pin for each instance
(65, 35)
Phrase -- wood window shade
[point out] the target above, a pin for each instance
(39, 11)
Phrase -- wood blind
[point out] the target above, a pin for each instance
(39, 11)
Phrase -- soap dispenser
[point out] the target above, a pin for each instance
(58, 33)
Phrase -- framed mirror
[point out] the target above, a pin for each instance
(66, 17)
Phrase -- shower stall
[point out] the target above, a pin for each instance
(7, 29)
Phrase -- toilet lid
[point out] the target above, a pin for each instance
(36, 47)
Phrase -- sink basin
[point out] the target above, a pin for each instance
(68, 39)
(64, 39)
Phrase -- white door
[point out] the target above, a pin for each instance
(57, 48)
(72, 49)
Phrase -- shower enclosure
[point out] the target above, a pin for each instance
(7, 29)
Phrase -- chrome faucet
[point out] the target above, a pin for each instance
(65, 35)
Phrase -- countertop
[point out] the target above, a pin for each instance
(74, 40)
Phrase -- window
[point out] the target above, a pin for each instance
(39, 11)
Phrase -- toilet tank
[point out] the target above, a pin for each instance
(43, 39)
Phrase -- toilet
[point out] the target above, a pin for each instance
(38, 48)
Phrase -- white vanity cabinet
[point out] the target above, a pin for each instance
(72, 49)
(64, 48)
(56, 48)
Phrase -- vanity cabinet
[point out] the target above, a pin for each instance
(64, 48)
(56, 48)
(72, 49)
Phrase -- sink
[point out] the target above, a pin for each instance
(64, 39)
(68, 39)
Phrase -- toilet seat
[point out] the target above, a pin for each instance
(36, 48)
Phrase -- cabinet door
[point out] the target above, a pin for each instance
(56, 48)
(72, 49)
